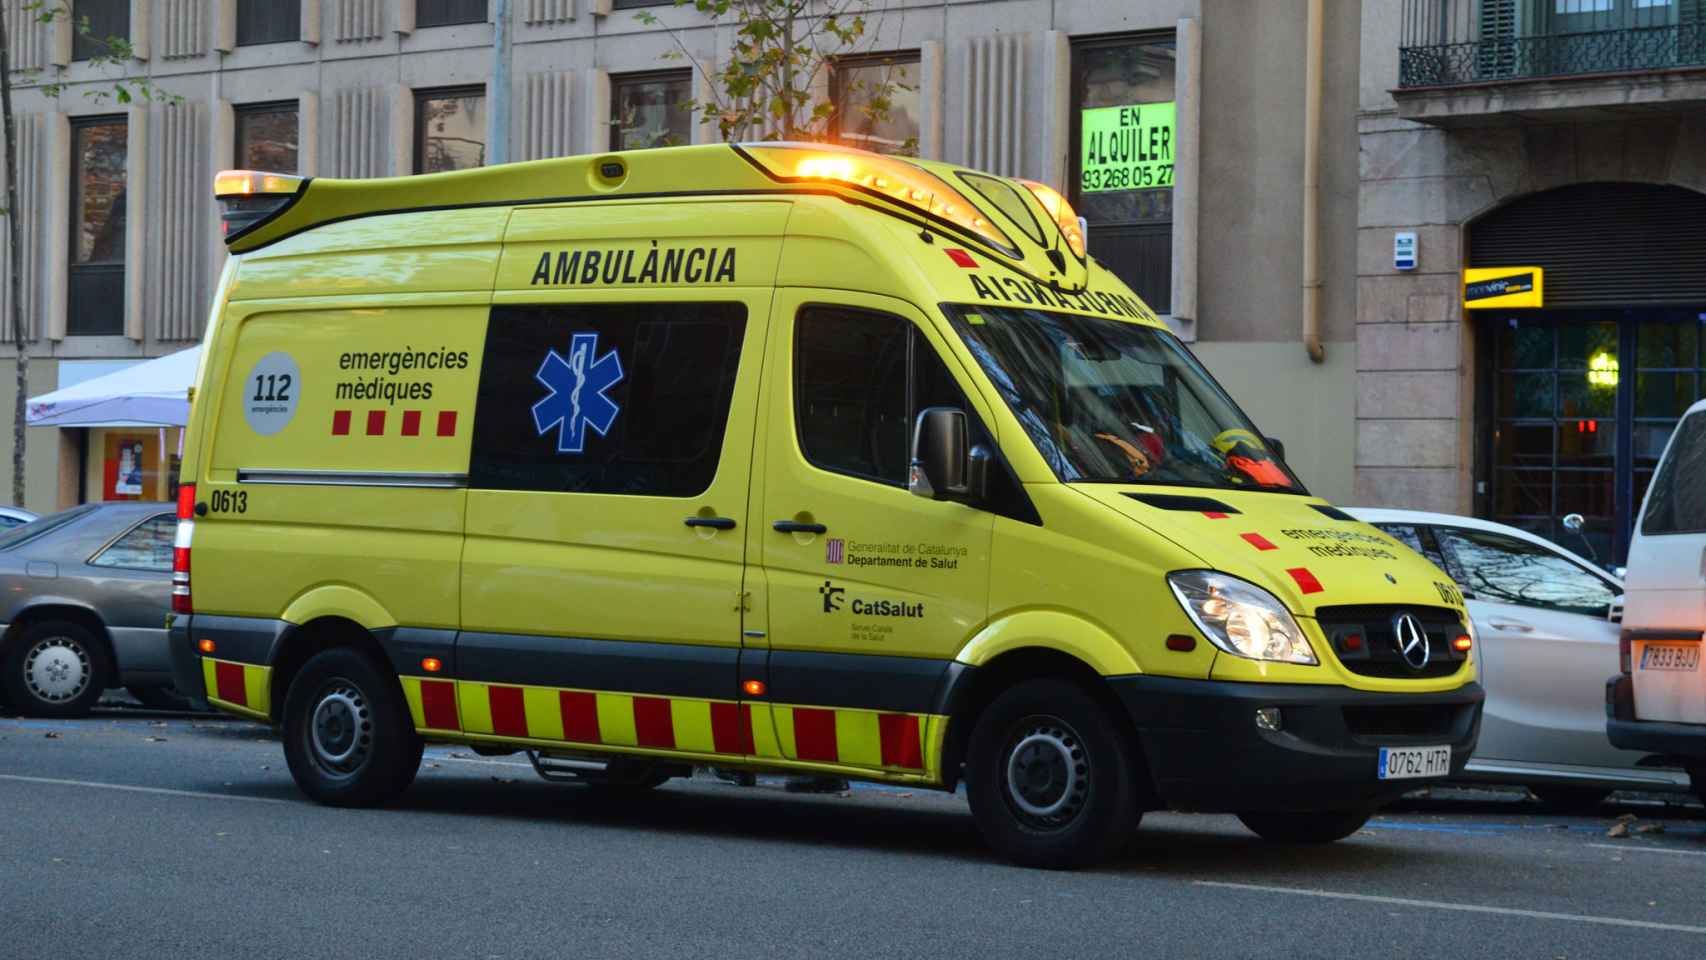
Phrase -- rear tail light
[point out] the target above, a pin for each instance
(1625, 659)
(181, 550)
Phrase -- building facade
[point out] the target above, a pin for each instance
(1177, 127)
(1566, 139)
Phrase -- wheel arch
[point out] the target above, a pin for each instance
(54, 608)
(303, 641)
(969, 690)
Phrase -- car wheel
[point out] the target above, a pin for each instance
(1570, 799)
(1050, 777)
(158, 698)
(1324, 826)
(56, 668)
(347, 734)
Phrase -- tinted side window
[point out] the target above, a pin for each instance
(1676, 502)
(147, 547)
(611, 398)
(850, 389)
(1507, 570)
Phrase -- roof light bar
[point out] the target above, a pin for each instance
(246, 197)
(893, 178)
(1064, 216)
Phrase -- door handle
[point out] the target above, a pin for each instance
(794, 526)
(715, 523)
(1516, 625)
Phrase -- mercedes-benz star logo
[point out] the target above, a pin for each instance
(1411, 640)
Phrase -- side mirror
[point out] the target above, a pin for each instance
(1276, 446)
(1574, 522)
(943, 468)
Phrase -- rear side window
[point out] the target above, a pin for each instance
(607, 398)
(148, 546)
(1676, 502)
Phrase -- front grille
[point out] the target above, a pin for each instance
(1430, 720)
(1365, 641)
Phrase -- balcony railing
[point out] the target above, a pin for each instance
(1461, 42)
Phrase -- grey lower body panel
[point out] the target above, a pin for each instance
(142, 656)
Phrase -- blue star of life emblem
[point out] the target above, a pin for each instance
(577, 401)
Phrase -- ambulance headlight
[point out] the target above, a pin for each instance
(1240, 617)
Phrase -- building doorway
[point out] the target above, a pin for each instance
(1575, 401)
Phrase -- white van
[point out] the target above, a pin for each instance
(1658, 703)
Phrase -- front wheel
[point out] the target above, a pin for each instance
(1315, 827)
(55, 668)
(347, 733)
(1050, 777)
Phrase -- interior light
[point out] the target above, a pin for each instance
(1064, 216)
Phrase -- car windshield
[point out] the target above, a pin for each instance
(18, 536)
(1113, 402)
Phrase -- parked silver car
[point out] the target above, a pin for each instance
(84, 595)
(1546, 626)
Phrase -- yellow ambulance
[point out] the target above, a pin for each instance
(777, 457)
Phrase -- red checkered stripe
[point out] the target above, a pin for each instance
(406, 423)
(861, 738)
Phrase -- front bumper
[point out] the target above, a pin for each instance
(1685, 740)
(1206, 753)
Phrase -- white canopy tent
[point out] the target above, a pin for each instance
(154, 393)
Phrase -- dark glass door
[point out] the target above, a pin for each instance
(1582, 402)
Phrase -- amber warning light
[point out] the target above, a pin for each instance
(247, 197)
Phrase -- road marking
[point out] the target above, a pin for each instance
(1460, 907)
(1629, 846)
(134, 789)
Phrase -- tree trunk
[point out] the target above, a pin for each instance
(15, 281)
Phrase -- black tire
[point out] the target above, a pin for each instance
(1571, 799)
(347, 733)
(1076, 802)
(55, 668)
(1324, 826)
(158, 698)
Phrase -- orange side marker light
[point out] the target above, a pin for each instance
(205, 645)
(1462, 643)
(753, 688)
(432, 664)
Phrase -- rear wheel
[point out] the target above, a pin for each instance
(55, 668)
(1312, 827)
(347, 733)
(1570, 799)
(1050, 777)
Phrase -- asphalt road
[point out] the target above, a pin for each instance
(149, 835)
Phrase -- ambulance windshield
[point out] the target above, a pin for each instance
(1113, 402)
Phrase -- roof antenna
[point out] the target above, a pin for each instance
(924, 228)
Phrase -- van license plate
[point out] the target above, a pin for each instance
(1402, 763)
(1671, 656)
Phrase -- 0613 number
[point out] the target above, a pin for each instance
(229, 501)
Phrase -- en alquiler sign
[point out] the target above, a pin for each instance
(1127, 148)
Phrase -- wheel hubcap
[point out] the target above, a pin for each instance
(1048, 772)
(56, 670)
(340, 731)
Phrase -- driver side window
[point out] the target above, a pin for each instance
(1504, 569)
(860, 378)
